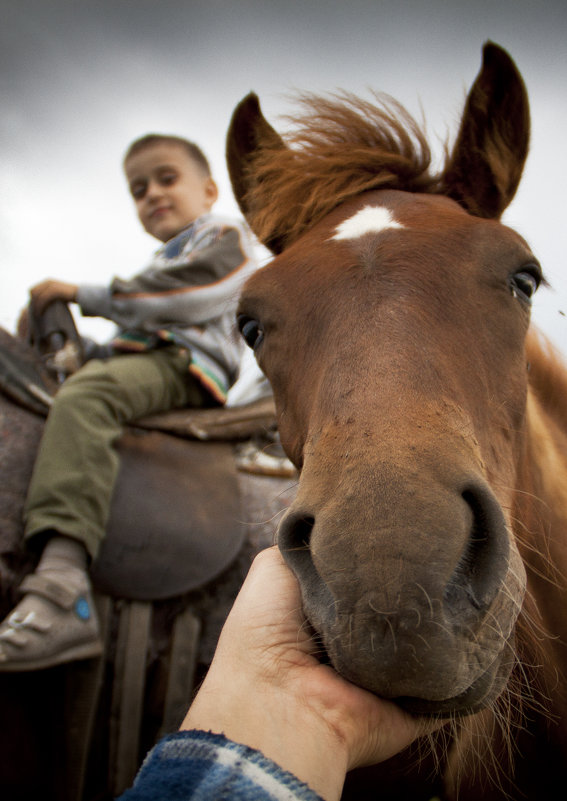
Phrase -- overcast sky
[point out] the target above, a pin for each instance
(80, 80)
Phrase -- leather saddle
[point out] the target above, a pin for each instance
(176, 519)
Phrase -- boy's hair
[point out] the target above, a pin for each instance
(192, 150)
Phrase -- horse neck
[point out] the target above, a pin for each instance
(540, 520)
(541, 498)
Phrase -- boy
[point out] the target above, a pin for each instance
(175, 348)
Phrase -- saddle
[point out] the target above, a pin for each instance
(176, 519)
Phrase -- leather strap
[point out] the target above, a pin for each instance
(48, 588)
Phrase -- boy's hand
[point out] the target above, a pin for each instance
(47, 291)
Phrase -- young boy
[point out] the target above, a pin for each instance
(175, 348)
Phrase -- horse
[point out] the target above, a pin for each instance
(427, 420)
(189, 512)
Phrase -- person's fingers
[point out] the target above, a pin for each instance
(41, 295)
(23, 324)
(50, 290)
(267, 615)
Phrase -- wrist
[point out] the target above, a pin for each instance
(278, 724)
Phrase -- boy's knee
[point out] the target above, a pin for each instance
(88, 383)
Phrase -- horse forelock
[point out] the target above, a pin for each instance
(339, 147)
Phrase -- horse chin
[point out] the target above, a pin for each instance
(482, 693)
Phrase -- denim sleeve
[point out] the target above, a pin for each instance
(201, 766)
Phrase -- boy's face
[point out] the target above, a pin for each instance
(170, 190)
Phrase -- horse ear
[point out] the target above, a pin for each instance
(485, 167)
(248, 133)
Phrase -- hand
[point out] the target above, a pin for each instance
(23, 325)
(266, 689)
(47, 291)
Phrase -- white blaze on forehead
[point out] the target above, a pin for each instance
(369, 220)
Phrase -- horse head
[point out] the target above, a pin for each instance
(392, 326)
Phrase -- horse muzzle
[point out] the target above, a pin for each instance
(415, 598)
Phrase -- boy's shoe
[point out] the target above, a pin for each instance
(51, 625)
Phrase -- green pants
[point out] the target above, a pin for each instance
(77, 463)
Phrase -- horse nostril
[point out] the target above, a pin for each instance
(294, 538)
(483, 564)
(294, 541)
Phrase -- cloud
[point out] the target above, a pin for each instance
(82, 79)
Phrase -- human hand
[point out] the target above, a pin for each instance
(23, 325)
(46, 292)
(266, 689)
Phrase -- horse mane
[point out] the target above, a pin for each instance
(548, 375)
(339, 147)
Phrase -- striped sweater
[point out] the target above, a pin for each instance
(186, 295)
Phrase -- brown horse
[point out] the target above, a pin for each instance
(429, 532)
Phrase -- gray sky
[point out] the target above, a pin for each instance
(80, 80)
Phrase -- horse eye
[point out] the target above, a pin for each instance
(525, 283)
(250, 330)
